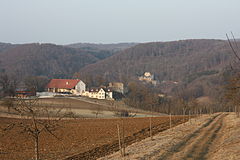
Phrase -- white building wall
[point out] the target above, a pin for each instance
(101, 94)
(80, 87)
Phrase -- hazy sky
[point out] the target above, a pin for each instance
(113, 21)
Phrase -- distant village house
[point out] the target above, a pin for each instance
(99, 93)
(66, 86)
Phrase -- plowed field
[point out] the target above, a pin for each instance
(79, 139)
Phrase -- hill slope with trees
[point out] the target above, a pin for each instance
(186, 61)
(53, 61)
(102, 51)
(197, 65)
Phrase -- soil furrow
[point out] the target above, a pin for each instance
(113, 147)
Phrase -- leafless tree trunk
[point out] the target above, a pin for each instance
(234, 82)
(35, 126)
(37, 147)
(189, 116)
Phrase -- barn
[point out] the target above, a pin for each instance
(66, 86)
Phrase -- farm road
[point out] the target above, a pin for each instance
(197, 145)
(194, 140)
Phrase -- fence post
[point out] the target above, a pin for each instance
(123, 139)
(170, 121)
(119, 140)
(189, 116)
(150, 127)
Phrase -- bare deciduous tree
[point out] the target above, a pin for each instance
(233, 87)
(31, 123)
(8, 84)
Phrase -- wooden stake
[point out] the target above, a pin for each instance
(123, 137)
(119, 140)
(170, 121)
(189, 118)
(184, 113)
(150, 127)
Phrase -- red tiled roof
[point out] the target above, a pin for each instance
(63, 83)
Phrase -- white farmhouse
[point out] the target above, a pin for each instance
(99, 93)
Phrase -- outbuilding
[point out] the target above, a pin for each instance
(66, 86)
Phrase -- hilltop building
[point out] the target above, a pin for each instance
(148, 77)
(66, 86)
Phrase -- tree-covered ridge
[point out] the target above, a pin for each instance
(53, 61)
(167, 60)
(197, 65)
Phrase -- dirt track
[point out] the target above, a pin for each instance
(202, 138)
(197, 145)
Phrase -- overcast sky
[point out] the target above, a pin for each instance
(113, 21)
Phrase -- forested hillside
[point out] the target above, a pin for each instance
(110, 47)
(102, 50)
(53, 61)
(186, 61)
(48, 60)
(197, 65)
(5, 46)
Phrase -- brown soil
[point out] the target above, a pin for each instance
(79, 139)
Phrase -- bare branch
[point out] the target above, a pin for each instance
(234, 40)
(33, 126)
(235, 53)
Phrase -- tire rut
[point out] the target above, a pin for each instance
(201, 147)
(196, 145)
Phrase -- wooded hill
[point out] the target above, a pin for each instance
(192, 63)
(107, 47)
(53, 61)
(102, 51)
(5, 46)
